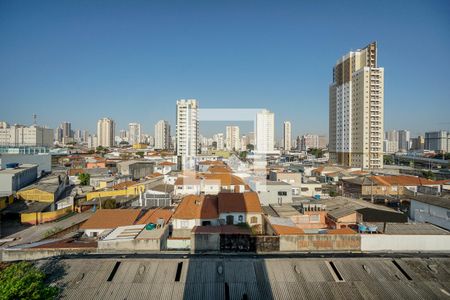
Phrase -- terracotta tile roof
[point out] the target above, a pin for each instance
(197, 207)
(111, 218)
(153, 215)
(402, 180)
(239, 202)
(219, 169)
(123, 185)
(287, 230)
(153, 175)
(212, 162)
(74, 172)
(167, 163)
(225, 179)
(341, 231)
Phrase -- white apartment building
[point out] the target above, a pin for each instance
(20, 135)
(309, 141)
(437, 141)
(287, 136)
(134, 131)
(162, 135)
(356, 117)
(220, 141)
(404, 140)
(105, 132)
(265, 137)
(233, 138)
(187, 132)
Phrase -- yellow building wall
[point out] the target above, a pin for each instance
(139, 146)
(36, 195)
(42, 217)
(5, 201)
(130, 191)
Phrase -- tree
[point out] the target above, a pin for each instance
(109, 204)
(84, 178)
(388, 160)
(243, 154)
(429, 175)
(140, 154)
(318, 153)
(24, 281)
(250, 147)
(100, 149)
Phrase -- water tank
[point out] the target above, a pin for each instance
(12, 165)
(372, 228)
(362, 228)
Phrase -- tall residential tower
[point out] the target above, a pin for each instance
(265, 131)
(356, 110)
(287, 136)
(162, 135)
(187, 132)
(105, 132)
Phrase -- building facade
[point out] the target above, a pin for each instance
(437, 141)
(162, 135)
(105, 132)
(20, 135)
(187, 132)
(287, 136)
(232, 138)
(265, 136)
(356, 117)
(134, 130)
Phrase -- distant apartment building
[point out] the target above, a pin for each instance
(309, 141)
(418, 143)
(356, 110)
(391, 142)
(105, 132)
(404, 140)
(287, 136)
(437, 141)
(134, 130)
(162, 135)
(187, 132)
(219, 140)
(232, 138)
(265, 136)
(20, 135)
(92, 141)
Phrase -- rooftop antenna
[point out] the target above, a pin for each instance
(34, 119)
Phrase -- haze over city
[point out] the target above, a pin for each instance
(78, 61)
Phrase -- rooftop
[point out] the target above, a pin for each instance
(239, 202)
(111, 218)
(197, 207)
(439, 201)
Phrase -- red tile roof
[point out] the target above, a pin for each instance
(402, 180)
(197, 207)
(167, 163)
(153, 215)
(287, 230)
(123, 185)
(111, 218)
(239, 202)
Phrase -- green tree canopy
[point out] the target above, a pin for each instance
(24, 281)
(84, 178)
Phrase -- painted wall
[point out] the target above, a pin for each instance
(43, 217)
(385, 242)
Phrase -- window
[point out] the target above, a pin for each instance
(282, 193)
(305, 189)
(253, 220)
(241, 218)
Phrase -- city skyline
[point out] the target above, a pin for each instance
(294, 73)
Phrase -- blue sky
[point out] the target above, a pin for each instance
(131, 60)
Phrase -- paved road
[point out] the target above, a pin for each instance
(36, 233)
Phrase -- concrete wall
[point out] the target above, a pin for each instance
(205, 242)
(320, 242)
(384, 242)
(43, 160)
(423, 212)
(178, 244)
(131, 245)
(31, 254)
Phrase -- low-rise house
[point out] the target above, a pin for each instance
(210, 184)
(105, 220)
(272, 192)
(236, 208)
(195, 210)
(136, 169)
(47, 189)
(385, 185)
(165, 167)
(95, 162)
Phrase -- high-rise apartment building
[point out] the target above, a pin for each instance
(66, 129)
(309, 141)
(219, 140)
(418, 143)
(437, 141)
(134, 130)
(162, 135)
(287, 136)
(232, 138)
(391, 142)
(404, 140)
(20, 135)
(187, 132)
(265, 137)
(106, 128)
(356, 117)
